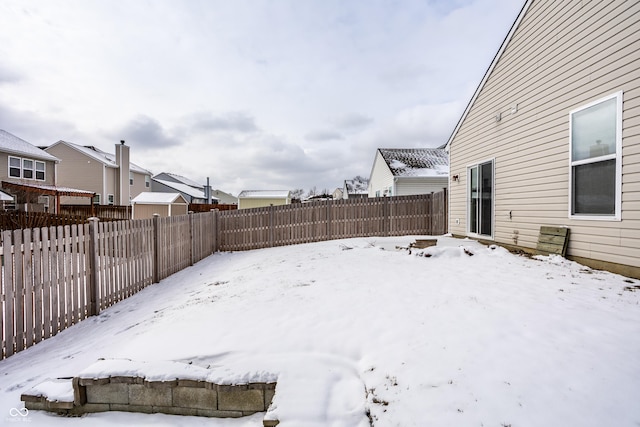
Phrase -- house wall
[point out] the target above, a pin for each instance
(4, 169)
(261, 202)
(139, 184)
(381, 177)
(410, 186)
(563, 56)
(77, 170)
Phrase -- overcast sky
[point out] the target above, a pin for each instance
(255, 94)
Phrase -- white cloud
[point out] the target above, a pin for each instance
(251, 92)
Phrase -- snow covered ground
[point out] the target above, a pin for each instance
(455, 335)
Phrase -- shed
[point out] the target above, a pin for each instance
(144, 205)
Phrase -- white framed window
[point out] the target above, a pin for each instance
(110, 199)
(96, 199)
(596, 159)
(147, 181)
(27, 168)
(15, 167)
(41, 171)
(130, 178)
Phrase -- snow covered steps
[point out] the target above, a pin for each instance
(158, 387)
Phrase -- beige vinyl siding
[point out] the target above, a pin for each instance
(110, 185)
(410, 186)
(381, 177)
(138, 184)
(260, 202)
(147, 211)
(562, 56)
(49, 169)
(77, 170)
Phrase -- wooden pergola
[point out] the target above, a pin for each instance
(46, 190)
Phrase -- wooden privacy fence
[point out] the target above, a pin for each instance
(14, 220)
(54, 277)
(104, 212)
(255, 228)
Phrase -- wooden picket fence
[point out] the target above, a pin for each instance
(53, 277)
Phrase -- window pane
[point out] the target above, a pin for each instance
(594, 131)
(487, 195)
(14, 162)
(474, 203)
(594, 188)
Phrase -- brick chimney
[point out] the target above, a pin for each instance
(122, 180)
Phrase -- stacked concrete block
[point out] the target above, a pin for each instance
(177, 397)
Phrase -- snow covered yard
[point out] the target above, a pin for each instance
(361, 334)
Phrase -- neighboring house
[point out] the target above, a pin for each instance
(551, 135)
(113, 177)
(24, 163)
(224, 198)
(146, 204)
(261, 198)
(407, 171)
(190, 190)
(338, 193)
(354, 188)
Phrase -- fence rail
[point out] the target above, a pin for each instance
(53, 277)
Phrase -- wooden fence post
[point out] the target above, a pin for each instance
(386, 222)
(191, 240)
(329, 225)
(92, 291)
(445, 209)
(156, 219)
(271, 231)
(214, 213)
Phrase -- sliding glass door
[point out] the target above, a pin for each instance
(480, 199)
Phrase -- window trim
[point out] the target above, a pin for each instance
(32, 169)
(617, 156)
(43, 171)
(19, 167)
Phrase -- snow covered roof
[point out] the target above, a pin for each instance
(355, 186)
(105, 158)
(183, 188)
(148, 197)
(48, 189)
(11, 144)
(181, 179)
(416, 162)
(264, 194)
(4, 197)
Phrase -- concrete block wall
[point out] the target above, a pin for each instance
(178, 397)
